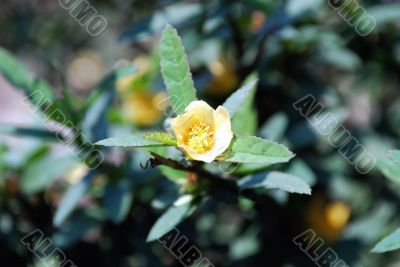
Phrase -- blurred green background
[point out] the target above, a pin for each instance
(296, 47)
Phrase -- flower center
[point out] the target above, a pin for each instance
(200, 138)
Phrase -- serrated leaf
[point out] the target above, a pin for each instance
(175, 71)
(72, 198)
(275, 180)
(252, 149)
(129, 141)
(238, 98)
(171, 218)
(389, 243)
(390, 169)
(161, 137)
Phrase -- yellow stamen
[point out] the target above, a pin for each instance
(200, 138)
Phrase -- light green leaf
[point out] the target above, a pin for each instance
(175, 71)
(274, 128)
(238, 98)
(161, 137)
(299, 168)
(129, 141)
(390, 169)
(244, 121)
(171, 218)
(389, 243)
(41, 173)
(72, 198)
(253, 149)
(394, 155)
(275, 180)
(384, 13)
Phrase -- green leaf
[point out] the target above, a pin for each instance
(394, 155)
(117, 201)
(275, 180)
(161, 137)
(129, 141)
(171, 218)
(73, 230)
(19, 76)
(26, 132)
(72, 198)
(244, 122)
(238, 98)
(175, 71)
(274, 128)
(253, 149)
(299, 168)
(389, 243)
(390, 169)
(40, 173)
(384, 13)
(38, 92)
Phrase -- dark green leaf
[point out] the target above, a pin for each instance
(42, 172)
(117, 201)
(171, 218)
(72, 198)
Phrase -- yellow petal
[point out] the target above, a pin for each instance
(202, 132)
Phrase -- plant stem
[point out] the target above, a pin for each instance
(214, 178)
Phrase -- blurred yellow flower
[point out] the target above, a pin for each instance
(337, 214)
(328, 219)
(143, 108)
(202, 132)
(85, 70)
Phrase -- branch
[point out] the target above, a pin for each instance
(214, 178)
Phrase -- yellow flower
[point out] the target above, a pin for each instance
(202, 132)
